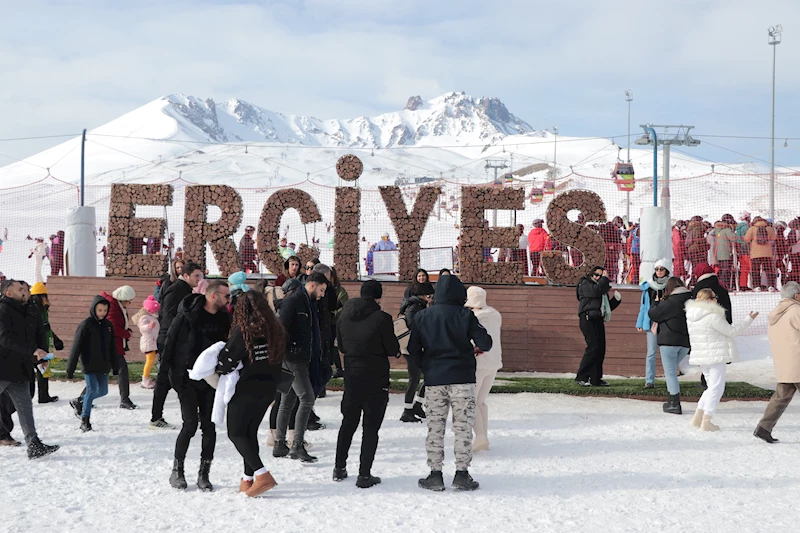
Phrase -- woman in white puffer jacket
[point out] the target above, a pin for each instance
(487, 364)
(713, 346)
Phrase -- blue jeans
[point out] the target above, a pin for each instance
(96, 387)
(671, 356)
(650, 362)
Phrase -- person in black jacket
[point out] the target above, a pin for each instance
(201, 322)
(594, 309)
(94, 346)
(673, 337)
(21, 342)
(422, 298)
(707, 279)
(441, 343)
(326, 305)
(258, 341)
(300, 316)
(366, 338)
(170, 299)
(420, 276)
(170, 277)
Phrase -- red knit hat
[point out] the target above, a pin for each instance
(702, 269)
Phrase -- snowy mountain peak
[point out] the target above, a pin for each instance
(453, 117)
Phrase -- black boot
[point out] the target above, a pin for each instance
(202, 476)
(434, 481)
(418, 411)
(365, 482)
(176, 479)
(299, 452)
(339, 474)
(37, 449)
(765, 435)
(86, 425)
(77, 406)
(463, 481)
(673, 405)
(408, 416)
(280, 449)
(44, 390)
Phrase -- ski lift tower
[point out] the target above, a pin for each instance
(680, 137)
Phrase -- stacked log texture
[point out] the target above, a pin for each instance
(197, 232)
(558, 270)
(349, 168)
(124, 226)
(269, 226)
(409, 227)
(347, 223)
(474, 237)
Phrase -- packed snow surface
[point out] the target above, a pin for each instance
(557, 463)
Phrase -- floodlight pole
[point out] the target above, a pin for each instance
(629, 99)
(83, 165)
(652, 132)
(774, 33)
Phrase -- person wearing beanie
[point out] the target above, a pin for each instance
(147, 321)
(40, 302)
(652, 292)
(707, 279)
(421, 298)
(118, 302)
(441, 343)
(487, 364)
(366, 338)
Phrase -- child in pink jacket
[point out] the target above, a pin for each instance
(147, 320)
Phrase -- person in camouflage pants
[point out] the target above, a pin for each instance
(441, 343)
(438, 401)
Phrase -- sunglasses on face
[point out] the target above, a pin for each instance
(309, 267)
(597, 274)
(226, 296)
(661, 269)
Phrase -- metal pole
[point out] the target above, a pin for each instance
(555, 151)
(655, 164)
(83, 164)
(772, 143)
(494, 212)
(665, 188)
(628, 194)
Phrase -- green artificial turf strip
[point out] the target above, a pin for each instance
(511, 384)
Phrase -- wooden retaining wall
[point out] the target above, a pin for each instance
(540, 323)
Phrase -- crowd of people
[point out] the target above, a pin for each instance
(228, 349)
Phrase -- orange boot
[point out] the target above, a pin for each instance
(245, 484)
(261, 485)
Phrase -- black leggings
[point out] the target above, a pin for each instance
(414, 375)
(197, 402)
(160, 393)
(246, 411)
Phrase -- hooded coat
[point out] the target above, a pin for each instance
(538, 240)
(366, 338)
(671, 317)
(94, 344)
(757, 250)
(784, 340)
(590, 296)
(170, 300)
(148, 342)
(21, 333)
(722, 238)
(116, 315)
(491, 319)
(711, 281)
(442, 336)
(710, 335)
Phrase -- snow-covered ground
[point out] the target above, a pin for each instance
(557, 463)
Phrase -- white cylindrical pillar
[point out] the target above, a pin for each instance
(80, 256)
(655, 240)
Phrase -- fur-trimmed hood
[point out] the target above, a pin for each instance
(696, 310)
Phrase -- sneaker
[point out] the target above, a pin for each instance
(365, 482)
(583, 383)
(434, 481)
(148, 383)
(339, 474)
(128, 404)
(463, 481)
(757, 289)
(161, 424)
(408, 416)
(37, 449)
(9, 441)
(649, 385)
(315, 426)
(601, 383)
(771, 289)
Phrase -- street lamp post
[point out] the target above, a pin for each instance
(629, 99)
(555, 148)
(774, 33)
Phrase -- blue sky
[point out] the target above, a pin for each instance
(72, 64)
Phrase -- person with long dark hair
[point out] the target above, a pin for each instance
(672, 337)
(258, 341)
(415, 392)
(341, 299)
(420, 276)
